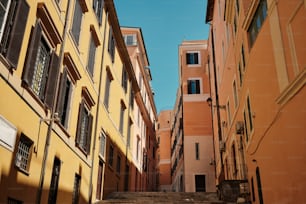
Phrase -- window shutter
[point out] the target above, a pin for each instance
(89, 128)
(17, 32)
(62, 93)
(28, 69)
(52, 80)
(81, 113)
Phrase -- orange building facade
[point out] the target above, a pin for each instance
(192, 155)
(163, 152)
(257, 73)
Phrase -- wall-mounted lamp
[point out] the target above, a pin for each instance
(209, 101)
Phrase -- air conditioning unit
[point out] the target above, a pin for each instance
(239, 127)
(222, 146)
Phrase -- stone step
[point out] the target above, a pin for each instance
(162, 198)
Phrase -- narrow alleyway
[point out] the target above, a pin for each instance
(162, 198)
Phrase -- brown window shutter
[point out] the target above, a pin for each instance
(61, 94)
(79, 126)
(52, 80)
(28, 69)
(89, 129)
(17, 33)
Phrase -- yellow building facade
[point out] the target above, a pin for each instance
(66, 84)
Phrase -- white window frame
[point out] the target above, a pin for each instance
(199, 58)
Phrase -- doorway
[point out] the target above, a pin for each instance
(200, 183)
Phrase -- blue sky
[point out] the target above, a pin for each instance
(165, 24)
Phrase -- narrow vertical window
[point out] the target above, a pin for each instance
(83, 137)
(250, 115)
(197, 151)
(242, 57)
(99, 181)
(228, 108)
(77, 21)
(111, 45)
(13, 19)
(137, 148)
(65, 92)
(76, 189)
(91, 57)
(118, 166)
(259, 188)
(246, 126)
(124, 79)
(234, 159)
(102, 145)
(98, 8)
(111, 156)
(108, 81)
(121, 122)
(235, 94)
(129, 133)
(54, 181)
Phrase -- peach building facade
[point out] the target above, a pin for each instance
(191, 132)
(163, 153)
(258, 76)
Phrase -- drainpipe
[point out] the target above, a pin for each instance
(97, 115)
(217, 96)
(53, 109)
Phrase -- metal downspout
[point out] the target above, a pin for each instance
(97, 114)
(53, 109)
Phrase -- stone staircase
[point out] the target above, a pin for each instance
(162, 198)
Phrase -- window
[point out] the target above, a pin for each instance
(118, 166)
(54, 180)
(240, 73)
(257, 21)
(111, 45)
(235, 94)
(137, 148)
(92, 55)
(228, 108)
(13, 201)
(130, 39)
(41, 68)
(129, 133)
(13, 19)
(124, 79)
(132, 98)
(98, 8)
(242, 57)
(77, 21)
(245, 127)
(99, 181)
(121, 122)
(237, 6)
(23, 155)
(76, 189)
(250, 115)
(83, 136)
(192, 58)
(197, 151)
(64, 99)
(259, 188)
(111, 156)
(234, 160)
(193, 86)
(102, 145)
(107, 88)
